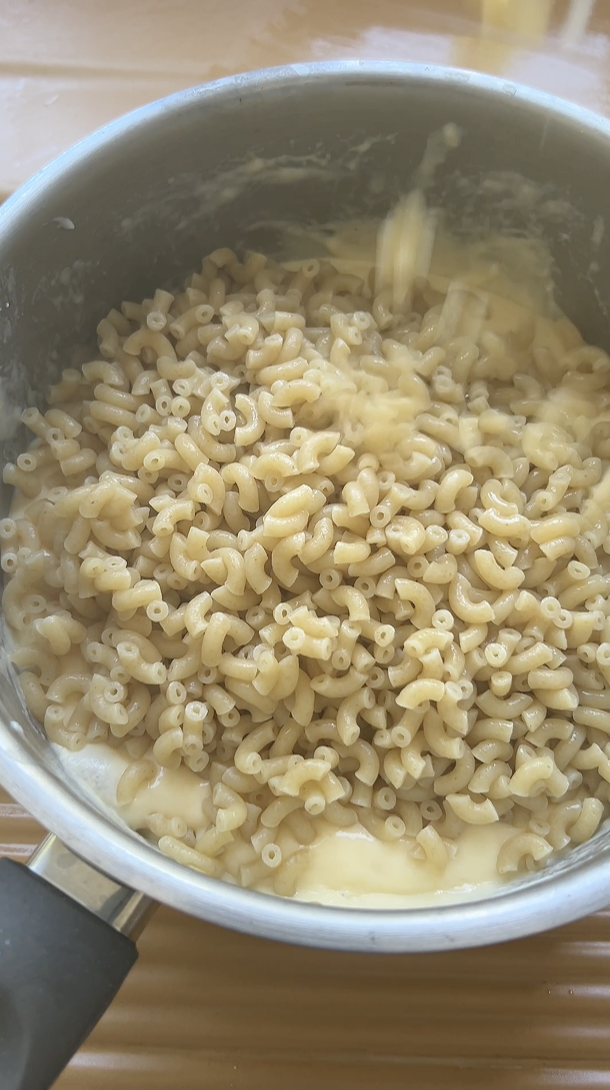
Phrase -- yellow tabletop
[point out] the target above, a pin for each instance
(69, 66)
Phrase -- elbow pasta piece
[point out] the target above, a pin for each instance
(338, 687)
(347, 714)
(534, 775)
(151, 673)
(458, 778)
(354, 601)
(420, 692)
(282, 557)
(451, 484)
(310, 623)
(464, 607)
(515, 852)
(292, 782)
(368, 764)
(437, 738)
(531, 659)
(232, 811)
(513, 526)
(219, 627)
(60, 631)
(134, 776)
(351, 552)
(588, 820)
(101, 701)
(420, 597)
(433, 848)
(238, 474)
(427, 639)
(332, 559)
(470, 812)
(492, 573)
(291, 513)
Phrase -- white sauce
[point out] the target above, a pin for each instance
(347, 868)
(175, 792)
(351, 869)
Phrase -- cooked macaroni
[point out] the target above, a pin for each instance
(301, 534)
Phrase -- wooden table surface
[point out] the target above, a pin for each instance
(206, 1008)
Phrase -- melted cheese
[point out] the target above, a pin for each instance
(351, 869)
(347, 868)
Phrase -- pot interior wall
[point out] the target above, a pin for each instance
(226, 165)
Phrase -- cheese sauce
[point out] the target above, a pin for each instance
(342, 867)
(352, 869)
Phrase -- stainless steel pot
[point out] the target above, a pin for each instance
(133, 207)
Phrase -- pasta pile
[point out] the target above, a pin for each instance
(338, 557)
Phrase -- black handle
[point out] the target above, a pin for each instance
(60, 967)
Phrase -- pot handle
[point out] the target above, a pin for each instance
(65, 950)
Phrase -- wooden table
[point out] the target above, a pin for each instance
(207, 1008)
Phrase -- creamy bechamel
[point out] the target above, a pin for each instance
(347, 868)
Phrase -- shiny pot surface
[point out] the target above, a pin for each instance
(135, 207)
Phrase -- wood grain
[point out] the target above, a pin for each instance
(208, 1008)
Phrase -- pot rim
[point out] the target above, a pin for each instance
(542, 901)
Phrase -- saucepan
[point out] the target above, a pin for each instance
(134, 206)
